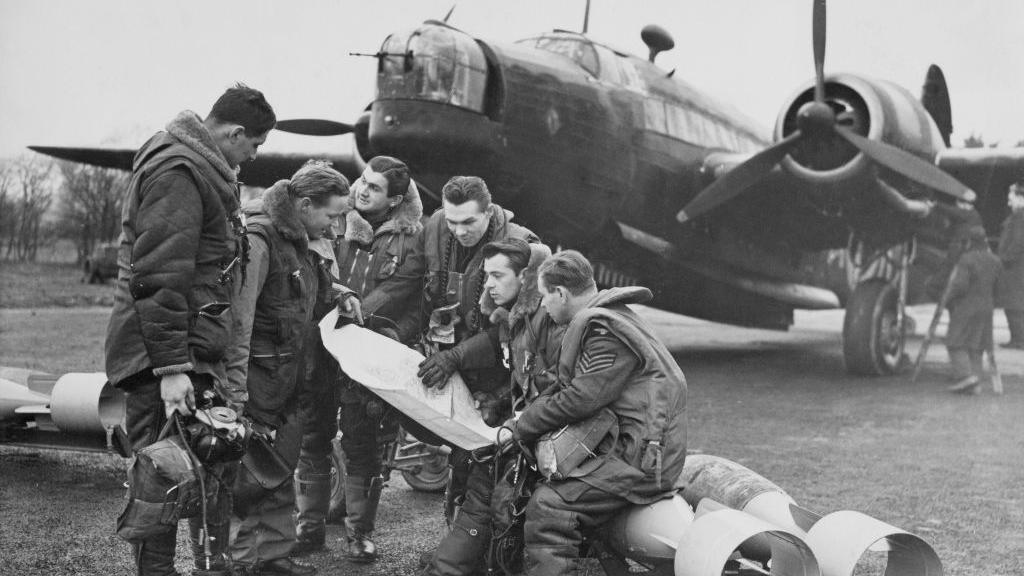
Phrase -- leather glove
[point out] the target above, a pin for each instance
(437, 368)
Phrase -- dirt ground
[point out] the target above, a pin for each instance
(942, 466)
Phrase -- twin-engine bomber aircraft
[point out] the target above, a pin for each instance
(608, 153)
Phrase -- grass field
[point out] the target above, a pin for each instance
(49, 284)
(49, 319)
(55, 340)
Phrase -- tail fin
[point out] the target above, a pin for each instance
(935, 99)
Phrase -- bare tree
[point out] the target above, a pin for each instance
(8, 207)
(90, 205)
(30, 196)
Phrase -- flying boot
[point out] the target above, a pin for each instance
(312, 499)
(970, 385)
(155, 556)
(461, 551)
(220, 562)
(362, 495)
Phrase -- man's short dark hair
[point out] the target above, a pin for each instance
(317, 181)
(570, 269)
(516, 250)
(246, 107)
(395, 172)
(462, 189)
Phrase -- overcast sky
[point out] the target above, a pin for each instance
(91, 72)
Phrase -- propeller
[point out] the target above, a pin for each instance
(313, 127)
(818, 28)
(734, 182)
(908, 165)
(817, 123)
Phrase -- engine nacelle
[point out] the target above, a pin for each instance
(875, 109)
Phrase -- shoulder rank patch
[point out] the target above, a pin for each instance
(594, 361)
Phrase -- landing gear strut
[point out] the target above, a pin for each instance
(875, 327)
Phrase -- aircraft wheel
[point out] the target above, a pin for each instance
(336, 511)
(871, 344)
(432, 476)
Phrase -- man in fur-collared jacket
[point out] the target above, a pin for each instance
(527, 341)
(287, 279)
(380, 258)
(181, 250)
(452, 240)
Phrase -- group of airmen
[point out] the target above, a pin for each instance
(218, 304)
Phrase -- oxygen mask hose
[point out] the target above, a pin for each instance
(197, 467)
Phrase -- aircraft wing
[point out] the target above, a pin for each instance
(988, 171)
(119, 158)
(792, 293)
(269, 167)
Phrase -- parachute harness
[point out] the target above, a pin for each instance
(513, 478)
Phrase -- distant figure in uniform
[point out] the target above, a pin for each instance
(971, 302)
(962, 217)
(1010, 294)
(182, 251)
(610, 360)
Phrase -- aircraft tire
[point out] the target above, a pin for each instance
(870, 342)
(431, 477)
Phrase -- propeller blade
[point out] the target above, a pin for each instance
(819, 50)
(313, 127)
(733, 183)
(908, 165)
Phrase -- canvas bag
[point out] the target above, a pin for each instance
(561, 451)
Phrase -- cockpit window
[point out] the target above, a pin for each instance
(577, 49)
(433, 63)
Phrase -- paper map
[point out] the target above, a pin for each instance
(388, 369)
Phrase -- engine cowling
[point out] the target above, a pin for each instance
(875, 109)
